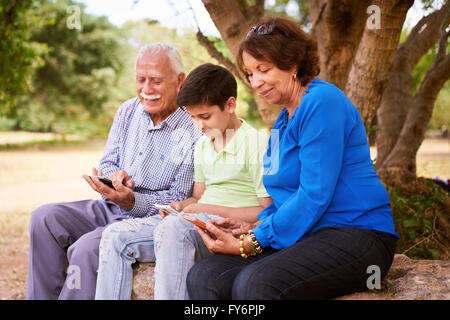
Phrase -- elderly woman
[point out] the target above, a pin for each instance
(330, 224)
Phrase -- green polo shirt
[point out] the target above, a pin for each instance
(233, 176)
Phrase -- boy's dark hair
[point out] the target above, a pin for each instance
(208, 84)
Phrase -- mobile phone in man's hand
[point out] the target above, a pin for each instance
(105, 181)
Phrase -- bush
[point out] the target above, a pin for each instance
(421, 221)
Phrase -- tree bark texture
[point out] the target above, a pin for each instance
(338, 27)
(400, 113)
(370, 68)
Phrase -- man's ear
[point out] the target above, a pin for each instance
(180, 80)
(230, 105)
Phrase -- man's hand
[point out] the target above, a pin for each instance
(123, 196)
(121, 178)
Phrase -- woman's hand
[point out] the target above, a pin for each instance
(219, 241)
(234, 226)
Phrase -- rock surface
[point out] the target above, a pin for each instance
(411, 280)
(407, 280)
(143, 281)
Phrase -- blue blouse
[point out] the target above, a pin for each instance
(319, 172)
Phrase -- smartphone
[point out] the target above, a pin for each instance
(195, 221)
(166, 208)
(105, 181)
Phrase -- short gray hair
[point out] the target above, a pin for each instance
(172, 53)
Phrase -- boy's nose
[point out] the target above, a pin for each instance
(199, 124)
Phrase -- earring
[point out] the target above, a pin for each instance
(294, 76)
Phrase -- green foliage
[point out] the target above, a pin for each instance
(19, 56)
(79, 72)
(416, 218)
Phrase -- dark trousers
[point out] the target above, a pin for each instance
(330, 263)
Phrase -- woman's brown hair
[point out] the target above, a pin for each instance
(281, 41)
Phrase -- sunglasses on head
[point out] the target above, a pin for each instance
(261, 29)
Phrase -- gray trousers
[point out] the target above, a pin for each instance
(64, 242)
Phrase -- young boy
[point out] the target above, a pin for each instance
(228, 183)
(227, 176)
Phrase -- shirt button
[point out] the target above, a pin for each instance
(140, 153)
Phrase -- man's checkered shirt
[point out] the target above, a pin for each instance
(158, 158)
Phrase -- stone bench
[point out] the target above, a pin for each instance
(407, 280)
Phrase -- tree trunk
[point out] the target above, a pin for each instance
(233, 19)
(403, 155)
(338, 27)
(398, 103)
(370, 69)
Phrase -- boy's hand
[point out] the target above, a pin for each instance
(177, 205)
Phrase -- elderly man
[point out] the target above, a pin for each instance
(149, 159)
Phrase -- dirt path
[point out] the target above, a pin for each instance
(30, 178)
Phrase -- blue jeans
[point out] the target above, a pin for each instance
(331, 262)
(122, 244)
(178, 246)
(136, 240)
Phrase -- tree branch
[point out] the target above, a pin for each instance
(397, 102)
(424, 35)
(216, 54)
(244, 8)
(442, 49)
(318, 19)
(258, 9)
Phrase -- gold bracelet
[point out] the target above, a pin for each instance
(241, 246)
(251, 245)
(257, 247)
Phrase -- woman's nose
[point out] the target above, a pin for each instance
(256, 81)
